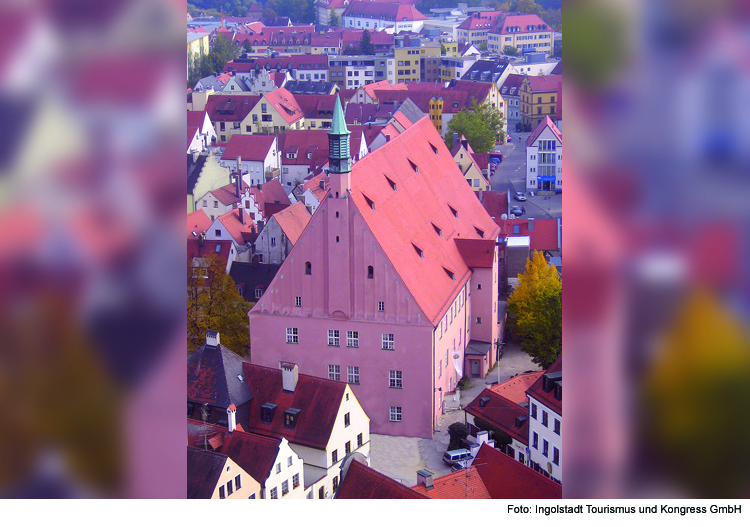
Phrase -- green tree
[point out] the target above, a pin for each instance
(535, 309)
(350, 50)
(213, 302)
(365, 44)
(482, 46)
(510, 51)
(457, 432)
(528, 6)
(482, 126)
(333, 18)
(247, 47)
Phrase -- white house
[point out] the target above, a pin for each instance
(281, 232)
(545, 422)
(544, 158)
(237, 227)
(373, 15)
(204, 135)
(220, 201)
(211, 475)
(257, 156)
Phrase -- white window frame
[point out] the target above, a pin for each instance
(388, 341)
(292, 335)
(352, 339)
(333, 337)
(395, 379)
(334, 372)
(352, 374)
(395, 414)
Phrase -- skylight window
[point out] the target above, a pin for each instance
(391, 183)
(369, 202)
(450, 274)
(437, 230)
(420, 252)
(454, 211)
(480, 232)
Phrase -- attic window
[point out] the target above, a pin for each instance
(483, 402)
(414, 166)
(420, 252)
(480, 232)
(370, 272)
(290, 417)
(434, 149)
(391, 183)
(437, 230)
(266, 413)
(369, 202)
(454, 211)
(451, 274)
(218, 248)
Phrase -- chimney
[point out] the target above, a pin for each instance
(241, 212)
(455, 139)
(212, 338)
(531, 224)
(322, 184)
(239, 175)
(387, 137)
(289, 376)
(480, 195)
(231, 418)
(425, 477)
(482, 437)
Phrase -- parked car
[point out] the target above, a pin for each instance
(457, 456)
(515, 209)
(519, 196)
(460, 465)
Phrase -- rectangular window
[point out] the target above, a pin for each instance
(557, 426)
(292, 336)
(237, 483)
(352, 374)
(544, 418)
(388, 341)
(556, 456)
(359, 440)
(347, 419)
(533, 410)
(535, 443)
(278, 468)
(479, 320)
(352, 339)
(440, 370)
(284, 488)
(333, 337)
(335, 483)
(295, 481)
(348, 447)
(545, 450)
(381, 306)
(395, 414)
(221, 492)
(395, 379)
(334, 372)
(274, 494)
(289, 461)
(334, 456)
(298, 301)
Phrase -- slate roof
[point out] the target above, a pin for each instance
(197, 222)
(459, 485)
(507, 479)
(317, 399)
(410, 110)
(544, 123)
(547, 397)
(250, 147)
(211, 82)
(293, 221)
(213, 377)
(484, 71)
(512, 85)
(203, 472)
(501, 413)
(364, 483)
(515, 389)
(252, 276)
(309, 87)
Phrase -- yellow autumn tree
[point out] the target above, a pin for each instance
(535, 309)
(213, 302)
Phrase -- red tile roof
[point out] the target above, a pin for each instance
(313, 185)
(192, 131)
(483, 20)
(316, 106)
(515, 389)
(293, 221)
(230, 107)
(544, 123)
(544, 83)
(306, 61)
(558, 108)
(234, 226)
(370, 132)
(318, 399)
(196, 119)
(270, 198)
(286, 104)
(302, 143)
(364, 483)
(547, 398)
(544, 237)
(418, 162)
(197, 250)
(383, 11)
(522, 21)
(495, 202)
(463, 484)
(250, 147)
(507, 479)
(197, 221)
(477, 253)
(228, 193)
(501, 413)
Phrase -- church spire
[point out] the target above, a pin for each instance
(339, 157)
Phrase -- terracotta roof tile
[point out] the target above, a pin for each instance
(383, 11)
(515, 389)
(544, 83)
(364, 483)
(544, 123)
(234, 226)
(483, 20)
(197, 222)
(196, 250)
(249, 147)
(522, 21)
(463, 484)
(293, 221)
(507, 479)
(547, 397)
(544, 237)
(286, 104)
(502, 413)
(477, 253)
(230, 107)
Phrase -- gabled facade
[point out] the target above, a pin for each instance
(204, 174)
(256, 156)
(539, 98)
(281, 232)
(544, 158)
(527, 33)
(377, 290)
(545, 422)
(373, 15)
(211, 475)
(476, 27)
(464, 158)
(276, 112)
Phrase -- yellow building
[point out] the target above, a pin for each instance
(408, 64)
(463, 155)
(197, 44)
(451, 49)
(276, 112)
(538, 97)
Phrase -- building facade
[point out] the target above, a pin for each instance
(544, 158)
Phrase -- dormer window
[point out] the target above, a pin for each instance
(391, 183)
(450, 274)
(480, 232)
(370, 203)
(419, 251)
(370, 272)
(454, 211)
(437, 230)
(290, 417)
(266, 413)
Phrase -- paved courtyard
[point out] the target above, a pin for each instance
(401, 457)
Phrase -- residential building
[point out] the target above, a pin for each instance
(487, 71)
(326, 43)
(222, 200)
(475, 29)
(372, 15)
(504, 415)
(319, 416)
(527, 33)
(310, 88)
(257, 82)
(312, 191)
(408, 63)
(511, 91)
(252, 278)
(256, 156)
(323, 10)
(204, 173)
(281, 232)
(353, 71)
(381, 287)
(275, 112)
(211, 475)
(303, 66)
(545, 422)
(463, 485)
(317, 109)
(545, 234)
(463, 155)
(228, 112)
(456, 67)
(235, 226)
(539, 98)
(361, 482)
(198, 249)
(514, 389)
(544, 157)
(532, 68)
(204, 130)
(197, 45)
(507, 479)
(212, 82)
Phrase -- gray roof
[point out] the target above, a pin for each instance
(309, 87)
(203, 471)
(476, 347)
(195, 36)
(215, 376)
(211, 82)
(410, 110)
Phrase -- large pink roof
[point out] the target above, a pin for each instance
(384, 11)
(197, 222)
(544, 123)
(285, 103)
(249, 147)
(544, 83)
(430, 187)
(293, 221)
(484, 20)
(521, 21)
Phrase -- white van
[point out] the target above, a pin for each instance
(456, 456)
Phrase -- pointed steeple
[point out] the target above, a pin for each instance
(339, 156)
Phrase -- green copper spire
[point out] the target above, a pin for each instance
(339, 157)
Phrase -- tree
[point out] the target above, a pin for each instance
(528, 6)
(510, 51)
(213, 302)
(535, 311)
(350, 50)
(483, 46)
(482, 126)
(333, 18)
(247, 46)
(365, 44)
(457, 432)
